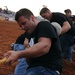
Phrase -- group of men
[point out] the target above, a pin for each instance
(46, 51)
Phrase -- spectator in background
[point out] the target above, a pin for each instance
(0, 10)
(6, 11)
(7, 18)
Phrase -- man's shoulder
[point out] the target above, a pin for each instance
(57, 13)
(44, 24)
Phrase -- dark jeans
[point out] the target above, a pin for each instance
(66, 42)
(68, 54)
(39, 71)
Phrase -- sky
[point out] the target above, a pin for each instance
(36, 5)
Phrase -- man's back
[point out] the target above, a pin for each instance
(61, 18)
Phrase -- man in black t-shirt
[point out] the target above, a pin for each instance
(68, 13)
(44, 56)
(68, 29)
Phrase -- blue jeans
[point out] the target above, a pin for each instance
(22, 65)
(68, 54)
(66, 42)
(41, 71)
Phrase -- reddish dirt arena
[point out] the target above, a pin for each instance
(9, 31)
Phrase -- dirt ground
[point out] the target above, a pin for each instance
(9, 31)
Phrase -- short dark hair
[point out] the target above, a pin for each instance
(43, 10)
(23, 12)
(67, 10)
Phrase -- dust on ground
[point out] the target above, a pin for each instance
(9, 31)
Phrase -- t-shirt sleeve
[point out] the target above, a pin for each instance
(21, 38)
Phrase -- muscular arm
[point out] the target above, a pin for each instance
(39, 49)
(66, 26)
